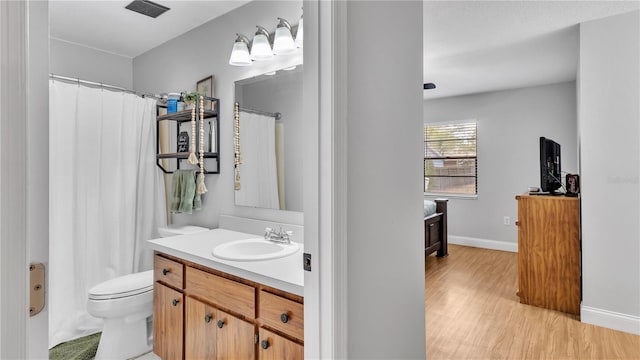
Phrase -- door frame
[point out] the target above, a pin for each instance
(13, 184)
(325, 202)
(24, 195)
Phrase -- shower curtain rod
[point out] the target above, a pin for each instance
(274, 115)
(101, 85)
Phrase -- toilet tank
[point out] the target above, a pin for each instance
(174, 230)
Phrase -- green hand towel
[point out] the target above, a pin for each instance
(184, 198)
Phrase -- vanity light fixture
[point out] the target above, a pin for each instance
(299, 34)
(261, 48)
(240, 53)
(283, 42)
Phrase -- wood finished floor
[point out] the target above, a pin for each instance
(472, 312)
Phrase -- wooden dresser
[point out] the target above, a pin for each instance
(549, 252)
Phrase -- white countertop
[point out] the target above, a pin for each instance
(284, 273)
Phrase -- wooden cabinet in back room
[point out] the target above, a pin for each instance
(549, 252)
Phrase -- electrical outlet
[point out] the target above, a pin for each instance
(506, 221)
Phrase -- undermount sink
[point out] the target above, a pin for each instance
(253, 250)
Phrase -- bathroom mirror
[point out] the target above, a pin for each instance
(271, 140)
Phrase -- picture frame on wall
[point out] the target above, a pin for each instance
(205, 87)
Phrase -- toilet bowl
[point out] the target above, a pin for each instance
(125, 304)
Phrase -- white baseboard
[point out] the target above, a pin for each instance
(610, 319)
(483, 243)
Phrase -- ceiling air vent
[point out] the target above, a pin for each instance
(146, 7)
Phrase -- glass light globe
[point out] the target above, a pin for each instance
(299, 35)
(261, 49)
(283, 43)
(240, 54)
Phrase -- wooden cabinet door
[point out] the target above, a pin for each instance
(549, 252)
(234, 338)
(168, 306)
(276, 347)
(199, 330)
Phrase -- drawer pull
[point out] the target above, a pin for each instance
(165, 271)
(175, 302)
(220, 324)
(207, 318)
(264, 344)
(284, 318)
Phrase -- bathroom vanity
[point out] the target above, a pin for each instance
(209, 308)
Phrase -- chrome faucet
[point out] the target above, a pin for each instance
(283, 237)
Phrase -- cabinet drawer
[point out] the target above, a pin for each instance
(275, 347)
(168, 271)
(282, 314)
(226, 293)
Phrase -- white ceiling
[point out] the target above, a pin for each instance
(479, 46)
(108, 26)
(469, 46)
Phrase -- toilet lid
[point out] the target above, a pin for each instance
(123, 286)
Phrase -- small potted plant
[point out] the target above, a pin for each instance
(190, 99)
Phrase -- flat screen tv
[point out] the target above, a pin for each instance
(550, 169)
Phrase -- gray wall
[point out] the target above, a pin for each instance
(509, 125)
(287, 100)
(179, 63)
(385, 247)
(609, 110)
(77, 61)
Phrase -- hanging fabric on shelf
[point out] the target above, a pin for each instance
(201, 186)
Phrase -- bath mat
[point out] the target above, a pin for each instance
(83, 348)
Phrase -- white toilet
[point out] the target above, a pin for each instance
(126, 305)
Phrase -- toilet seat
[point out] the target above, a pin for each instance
(124, 286)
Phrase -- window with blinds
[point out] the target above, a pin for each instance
(450, 159)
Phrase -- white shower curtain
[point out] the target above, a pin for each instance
(258, 171)
(106, 197)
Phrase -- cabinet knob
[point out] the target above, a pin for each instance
(264, 344)
(175, 302)
(207, 318)
(284, 318)
(220, 324)
(165, 271)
